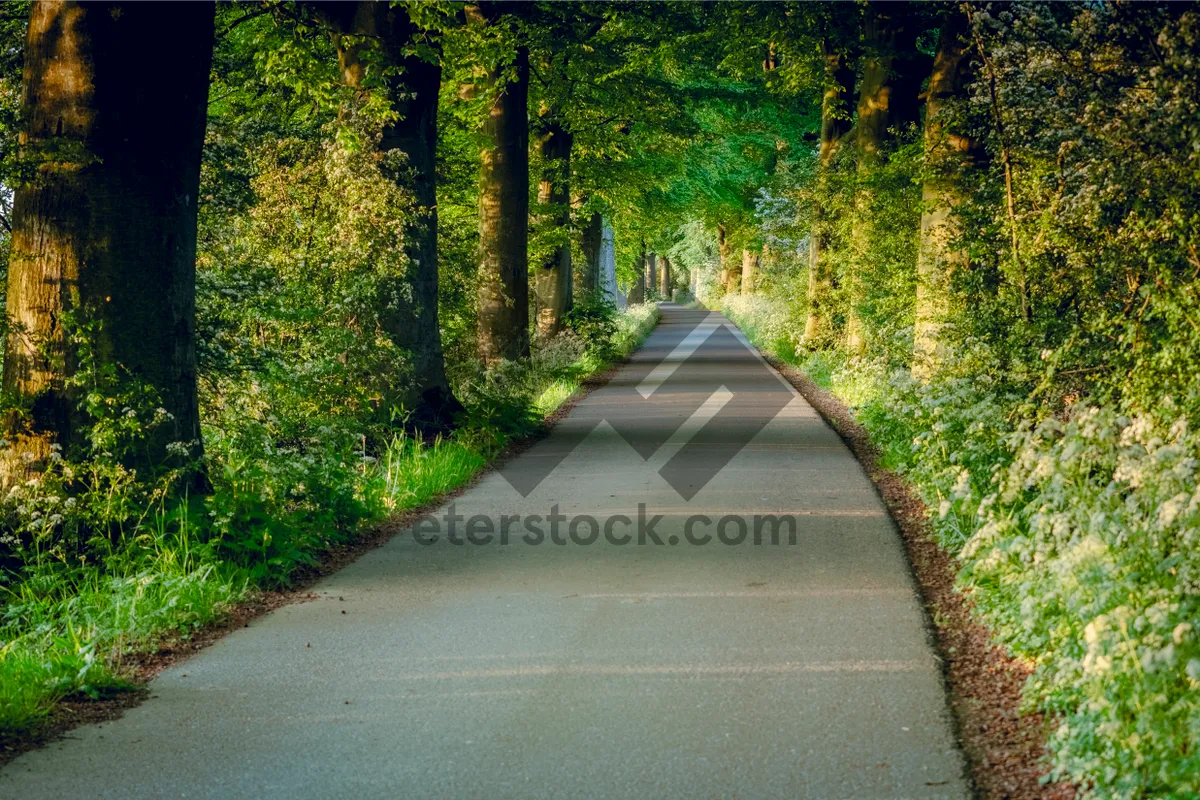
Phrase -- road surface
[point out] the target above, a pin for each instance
(616, 668)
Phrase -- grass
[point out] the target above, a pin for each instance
(67, 631)
(69, 626)
(414, 474)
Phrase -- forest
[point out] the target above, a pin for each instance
(276, 272)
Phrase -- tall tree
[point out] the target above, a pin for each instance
(887, 95)
(570, 58)
(749, 270)
(592, 244)
(652, 271)
(637, 292)
(104, 233)
(887, 99)
(504, 204)
(947, 148)
(664, 275)
(836, 115)
(411, 82)
(723, 260)
(733, 276)
(554, 279)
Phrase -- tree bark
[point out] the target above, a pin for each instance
(652, 272)
(104, 234)
(637, 292)
(664, 276)
(504, 214)
(592, 242)
(733, 284)
(836, 113)
(554, 279)
(887, 97)
(946, 150)
(608, 290)
(412, 92)
(749, 271)
(723, 258)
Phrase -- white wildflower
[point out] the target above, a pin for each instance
(1168, 512)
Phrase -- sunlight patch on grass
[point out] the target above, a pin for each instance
(414, 475)
(554, 396)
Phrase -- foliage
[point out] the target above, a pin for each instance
(764, 321)
(594, 320)
(303, 386)
(1055, 443)
(1054, 446)
(1076, 536)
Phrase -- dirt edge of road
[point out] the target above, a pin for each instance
(1005, 749)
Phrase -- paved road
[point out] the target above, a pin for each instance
(601, 670)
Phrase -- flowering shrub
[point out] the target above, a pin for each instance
(764, 320)
(1079, 540)
(1087, 563)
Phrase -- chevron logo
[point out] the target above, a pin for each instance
(712, 390)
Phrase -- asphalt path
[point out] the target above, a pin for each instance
(565, 629)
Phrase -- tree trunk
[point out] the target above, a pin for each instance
(609, 291)
(836, 113)
(888, 96)
(733, 277)
(749, 271)
(888, 31)
(412, 91)
(910, 67)
(592, 243)
(637, 292)
(652, 272)
(104, 234)
(553, 283)
(945, 151)
(504, 215)
(723, 257)
(664, 276)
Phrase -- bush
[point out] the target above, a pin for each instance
(594, 321)
(1078, 538)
